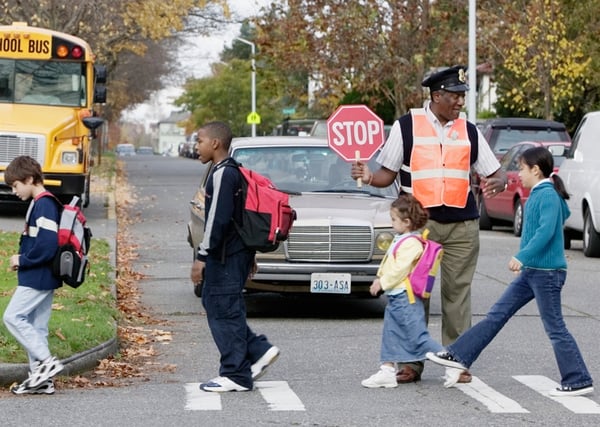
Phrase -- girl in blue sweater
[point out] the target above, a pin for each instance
(28, 312)
(542, 269)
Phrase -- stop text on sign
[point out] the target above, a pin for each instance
(355, 132)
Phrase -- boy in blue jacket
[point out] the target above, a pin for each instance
(224, 263)
(28, 312)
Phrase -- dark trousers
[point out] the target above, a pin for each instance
(223, 301)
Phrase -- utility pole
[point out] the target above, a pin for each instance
(253, 65)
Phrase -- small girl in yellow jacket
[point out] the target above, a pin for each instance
(405, 337)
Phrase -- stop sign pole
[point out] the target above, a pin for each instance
(355, 133)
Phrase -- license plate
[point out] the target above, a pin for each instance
(330, 283)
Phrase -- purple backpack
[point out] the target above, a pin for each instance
(422, 278)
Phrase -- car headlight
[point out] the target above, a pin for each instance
(69, 158)
(384, 240)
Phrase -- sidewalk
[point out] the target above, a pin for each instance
(101, 213)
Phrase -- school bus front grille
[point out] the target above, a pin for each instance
(12, 146)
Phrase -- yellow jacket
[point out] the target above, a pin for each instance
(397, 264)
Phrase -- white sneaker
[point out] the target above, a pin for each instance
(385, 377)
(571, 391)
(259, 368)
(221, 385)
(46, 387)
(44, 371)
(452, 376)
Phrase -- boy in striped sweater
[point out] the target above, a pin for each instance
(28, 312)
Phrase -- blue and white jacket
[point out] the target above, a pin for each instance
(38, 245)
(222, 200)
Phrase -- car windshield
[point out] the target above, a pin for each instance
(306, 169)
(508, 137)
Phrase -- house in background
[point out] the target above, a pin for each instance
(171, 133)
(486, 88)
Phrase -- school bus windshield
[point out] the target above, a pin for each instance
(43, 82)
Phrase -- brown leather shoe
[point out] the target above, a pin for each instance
(465, 377)
(407, 375)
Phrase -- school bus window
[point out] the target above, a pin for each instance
(49, 83)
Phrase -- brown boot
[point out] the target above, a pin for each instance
(407, 375)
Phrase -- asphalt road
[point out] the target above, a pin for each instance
(328, 344)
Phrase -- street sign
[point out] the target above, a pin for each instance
(355, 132)
(253, 118)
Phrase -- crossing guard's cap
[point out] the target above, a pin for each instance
(453, 79)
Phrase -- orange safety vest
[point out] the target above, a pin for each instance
(440, 169)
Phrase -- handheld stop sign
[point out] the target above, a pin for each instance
(355, 133)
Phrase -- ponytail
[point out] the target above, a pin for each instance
(559, 186)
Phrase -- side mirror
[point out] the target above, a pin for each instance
(92, 123)
(100, 94)
(100, 72)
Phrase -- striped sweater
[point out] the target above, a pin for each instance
(39, 243)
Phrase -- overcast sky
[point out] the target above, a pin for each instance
(195, 58)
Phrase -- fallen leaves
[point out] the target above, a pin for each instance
(137, 339)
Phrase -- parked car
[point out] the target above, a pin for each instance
(502, 133)
(507, 207)
(341, 232)
(145, 150)
(125, 150)
(294, 127)
(581, 174)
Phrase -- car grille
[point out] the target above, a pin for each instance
(15, 145)
(330, 243)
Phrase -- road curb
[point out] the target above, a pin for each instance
(80, 362)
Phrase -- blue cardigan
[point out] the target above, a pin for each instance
(39, 243)
(542, 239)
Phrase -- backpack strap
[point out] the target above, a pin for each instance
(406, 281)
(238, 203)
(46, 194)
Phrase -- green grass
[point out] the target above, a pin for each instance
(81, 318)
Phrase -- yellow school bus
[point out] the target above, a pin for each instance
(48, 87)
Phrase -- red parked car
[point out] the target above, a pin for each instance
(507, 207)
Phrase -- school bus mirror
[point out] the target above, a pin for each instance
(92, 122)
(100, 94)
(100, 71)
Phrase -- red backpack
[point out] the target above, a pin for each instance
(422, 278)
(267, 216)
(71, 263)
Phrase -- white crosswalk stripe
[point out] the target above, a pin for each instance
(278, 395)
(496, 402)
(576, 404)
(198, 400)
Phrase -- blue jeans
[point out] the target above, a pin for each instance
(223, 301)
(545, 286)
(26, 317)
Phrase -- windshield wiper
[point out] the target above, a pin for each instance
(346, 191)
